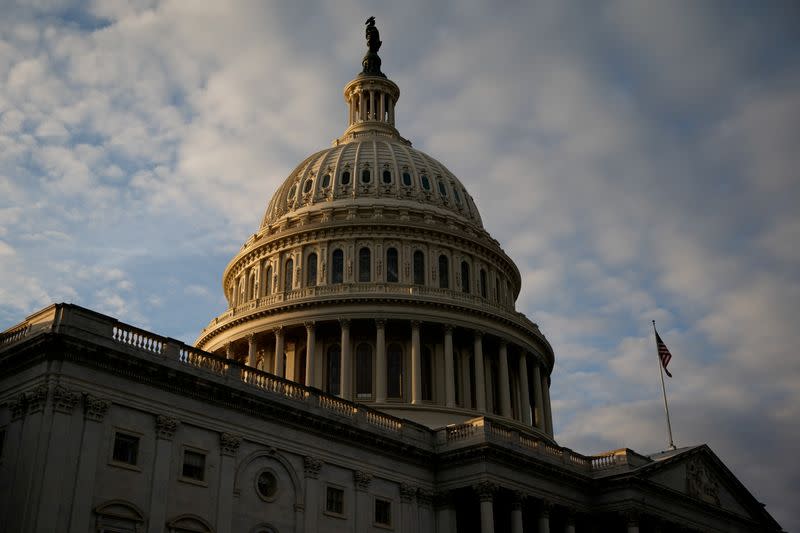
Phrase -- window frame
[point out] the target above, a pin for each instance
(443, 263)
(370, 375)
(311, 268)
(122, 464)
(389, 507)
(422, 278)
(336, 514)
(186, 449)
(334, 270)
(266, 497)
(393, 265)
(365, 274)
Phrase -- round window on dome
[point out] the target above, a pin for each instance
(326, 181)
(292, 192)
(387, 176)
(366, 177)
(345, 179)
(426, 183)
(406, 179)
(266, 485)
(308, 184)
(442, 188)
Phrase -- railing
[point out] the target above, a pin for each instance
(138, 338)
(15, 334)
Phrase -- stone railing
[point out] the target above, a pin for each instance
(481, 430)
(367, 290)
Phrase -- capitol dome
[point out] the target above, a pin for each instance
(372, 278)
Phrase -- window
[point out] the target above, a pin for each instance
(456, 196)
(363, 371)
(311, 270)
(332, 366)
(345, 178)
(496, 287)
(326, 181)
(307, 186)
(387, 176)
(251, 286)
(464, 276)
(337, 267)
(287, 280)
(334, 500)
(483, 283)
(366, 177)
(364, 260)
(426, 183)
(268, 281)
(266, 485)
(391, 265)
(444, 272)
(194, 465)
(442, 188)
(406, 179)
(394, 371)
(292, 192)
(126, 449)
(419, 268)
(426, 362)
(383, 512)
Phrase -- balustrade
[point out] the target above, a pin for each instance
(138, 338)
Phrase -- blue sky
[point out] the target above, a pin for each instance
(638, 160)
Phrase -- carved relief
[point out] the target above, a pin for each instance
(95, 408)
(700, 483)
(485, 490)
(362, 479)
(311, 466)
(166, 426)
(36, 398)
(18, 406)
(64, 400)
(229, 443)
(424, 497)
(407, 492)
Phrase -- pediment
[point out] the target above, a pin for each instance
(702, 476)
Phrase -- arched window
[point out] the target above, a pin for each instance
(442, 188)
(345, 178)
(391, 265)
(332, 366)
(307, 185)
(326, 181)
(394, 371)
(366, 177)
(426, 362)
(364, 264)
(406, 178)
(268, 281)
(465, 277)
(288, 273)
(363, 371)
(419, 268)
(311, 269)
(426, 183)
(387, 176)
(483, 283)
(251, 285)
(444, 272)
(337, 267)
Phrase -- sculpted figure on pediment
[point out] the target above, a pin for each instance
(700, 483)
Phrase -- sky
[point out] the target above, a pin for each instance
(637, 159)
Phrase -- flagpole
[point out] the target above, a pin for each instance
(664, 391)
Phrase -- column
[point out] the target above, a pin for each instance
(537, 397)
(363, 506)
(425, 510)
(445, 513)
(632, 519)
(505, 393)
(408, 518)
(94, 410)
(480, 388)
(516, 512)
(251, 350)
(280, 359)
(449, 373)
(165, 431)
(228, 446)
(548, 415)
(372, 106)
(569, 524)
(380, 361)
(229, 351)
(346, 367)
(416, 374)
(311, 344)
(544, 516)
(311, 468)
(524, 393)
(486, 490)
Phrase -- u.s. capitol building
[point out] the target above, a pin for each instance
(371, 373)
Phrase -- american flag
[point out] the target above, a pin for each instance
(663, 353)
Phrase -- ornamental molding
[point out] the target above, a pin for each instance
(229, 444)
(424, 497)
(700, 482)
(362, 480)
(36, 398)
(64, 399)
(311, 467)
(18, 406)
(95, 408)
(166, 426)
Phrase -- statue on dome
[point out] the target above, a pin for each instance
(371, 61)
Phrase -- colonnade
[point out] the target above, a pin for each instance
(371, 104)
(517, 389)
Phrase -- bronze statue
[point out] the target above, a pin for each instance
(373, 36)
(371, 61)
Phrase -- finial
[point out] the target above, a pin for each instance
(371, 61)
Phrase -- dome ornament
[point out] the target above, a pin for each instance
(371, 61)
